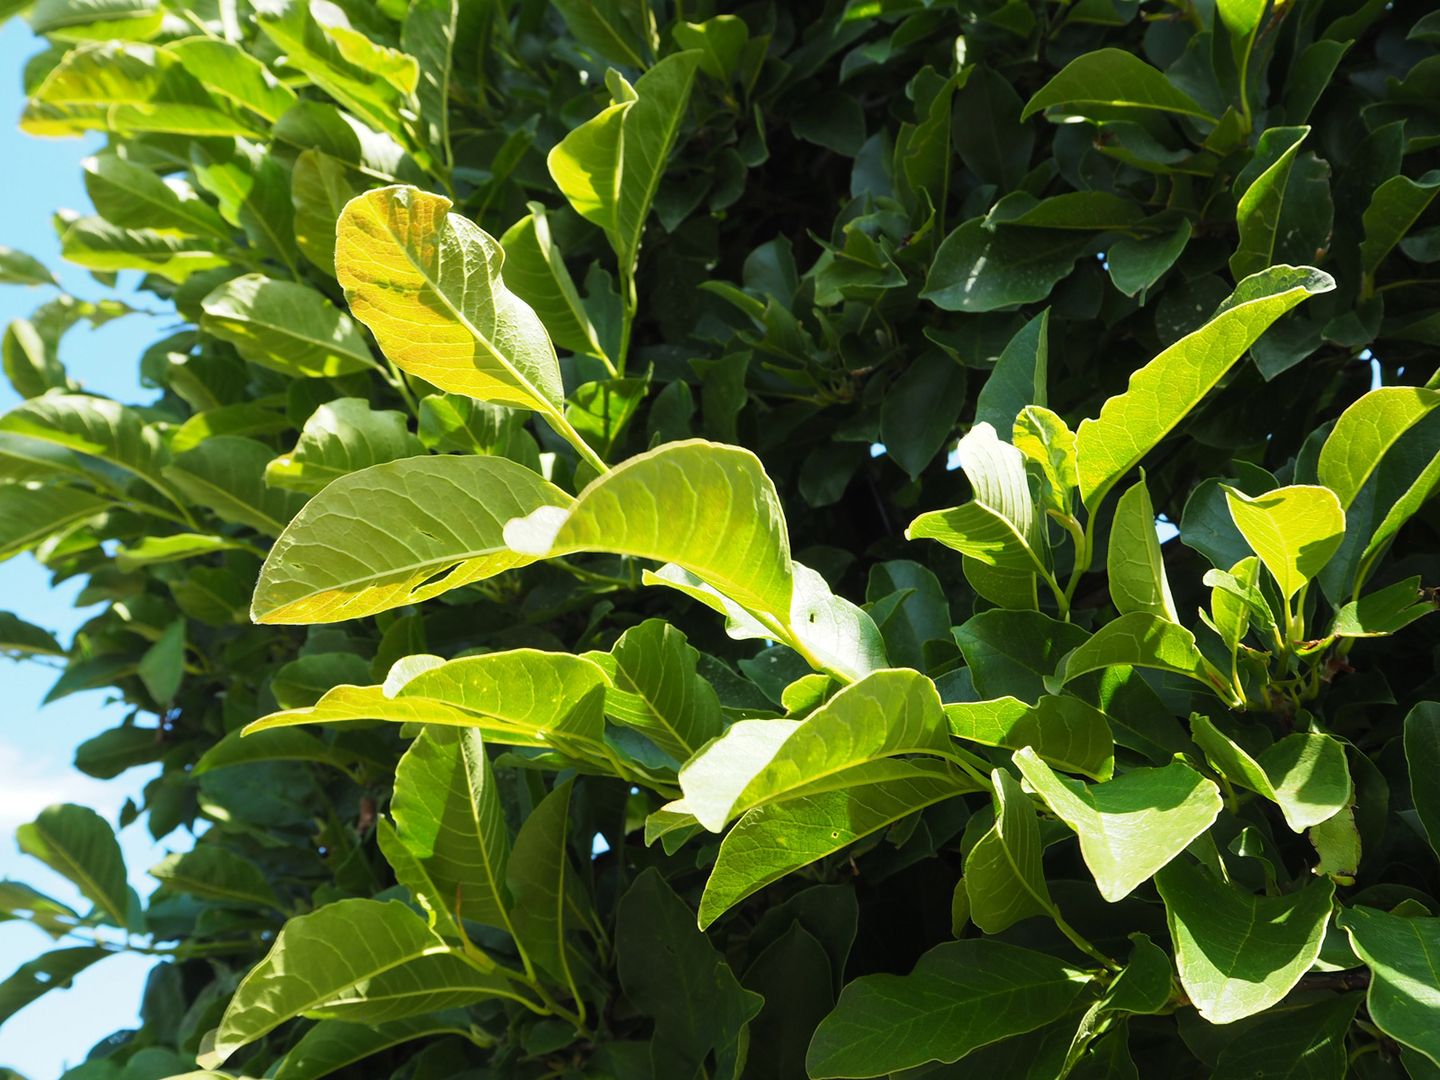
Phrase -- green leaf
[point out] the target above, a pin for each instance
(212, 872)
(687, 988)
(238, 749)
(1003, 876)
(392, 966)
(601, 411)
(163, 666)
(1064, 731)
(1384, 611)
(67, 20)
(18, 268)
(918, 414)
(1422, 757)
(129, 88)
(776, 839)
(97, 245)
(1112, 79)
(922, 614)
(1239, 954)
(153, 550)
(447, 812)
(1401, 953)
(1145, 985)
(227, 474)
(229, 72)
(366, 79)
(542, 885)
(711, 510)
(610, 167)
(254, 194)
(793, 975)
(1303, 1044)
(1365, 431)
(1131, 826)
(981, 266)
(1162, 392)
(19, 638)
(28, 515)
(1002, 527)
(535, 269)
(1135, 263)
(331, 1045)
(1019, 376)
(1260, 189)
(1139, 640)
(340, 704)
(1011, 653)
(885, 714)
(523, 697)
(620, 31)
(96, 426)
(1134, 561)
(720, 41)
(134, 197)
(428, 285)
(342, 437)
(1044, 438)
(1305, 773)
(77, 844)
(1396, 205)
(428, 33)
(656, 690)
(320, 187)
(286, 327)
(1293, 529)
(34, 979)
(396, 534)
(961, 995)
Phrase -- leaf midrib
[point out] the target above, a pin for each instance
(544, 403)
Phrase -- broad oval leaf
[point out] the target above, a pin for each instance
(447, 813)
(378, 538)
(1111, 79)
(428, 285)
(655, 689)
(77, 844)
(1262, 187)
(1365, 431)
(304, 974)
(227, 474)
(1305, 773)
(885, 714)
(704, 506)
(1169, 386)
(1131, 826)
(1239, 954)
(1003, 876)
(331, 1045)
(286, 327)
(1403, 955)
(1140, 639)
(778, 838)
(1293, 529)
(1070, 734)
(341, 437)
(1134, 561)
(960, 996)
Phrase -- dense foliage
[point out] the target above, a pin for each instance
(548, 578)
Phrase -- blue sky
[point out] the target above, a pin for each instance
(36, 745)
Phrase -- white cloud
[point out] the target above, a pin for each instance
(29, 784)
